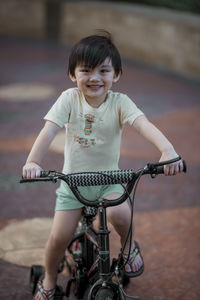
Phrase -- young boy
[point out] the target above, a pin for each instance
(94, 117)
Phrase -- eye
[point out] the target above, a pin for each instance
(85, 70)
(104, 70)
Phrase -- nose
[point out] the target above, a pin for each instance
(94, 76)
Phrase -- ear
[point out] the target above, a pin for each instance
(73, 78)
(116, 78)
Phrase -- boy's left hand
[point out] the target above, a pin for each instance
(174, 168)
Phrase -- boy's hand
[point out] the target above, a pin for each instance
(31, 170)
(174, 168)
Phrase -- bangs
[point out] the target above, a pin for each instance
(91, 56)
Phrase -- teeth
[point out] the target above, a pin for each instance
(94, 85)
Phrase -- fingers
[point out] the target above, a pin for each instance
(31, 173)
(181, 166)
(173, 169)
(31, 170)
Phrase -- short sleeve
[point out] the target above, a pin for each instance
(128, 110)
(60, 111)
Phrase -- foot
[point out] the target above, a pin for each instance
(135, 265)
(46, 290)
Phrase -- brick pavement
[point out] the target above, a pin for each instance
(167, 209)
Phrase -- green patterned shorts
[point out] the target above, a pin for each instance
(66, 200)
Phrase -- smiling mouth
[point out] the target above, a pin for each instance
(94, 86)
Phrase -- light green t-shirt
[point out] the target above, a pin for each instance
(93, 135)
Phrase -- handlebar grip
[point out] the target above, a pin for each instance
(44, 176)
(23, 180)
(160, 169)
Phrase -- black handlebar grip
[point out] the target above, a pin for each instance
(160, 169)
(27, 180)
(23, 180)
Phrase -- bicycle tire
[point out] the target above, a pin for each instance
(105, 294)
(113, 292)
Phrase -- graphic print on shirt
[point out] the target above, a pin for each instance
(84, 142)
(89, 120)
(86, 128)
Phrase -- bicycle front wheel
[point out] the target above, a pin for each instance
(105, 293)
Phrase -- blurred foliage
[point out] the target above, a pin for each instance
(181, 5)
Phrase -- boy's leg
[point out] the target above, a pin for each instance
(120, 217)
(63, 228)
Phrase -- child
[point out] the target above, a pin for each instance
(94, 117)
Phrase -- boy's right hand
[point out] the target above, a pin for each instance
(31, 170)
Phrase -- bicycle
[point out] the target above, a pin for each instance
(88, 259)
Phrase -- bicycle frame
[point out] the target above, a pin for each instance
(99, 239)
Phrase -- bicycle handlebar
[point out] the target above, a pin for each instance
(103, 178)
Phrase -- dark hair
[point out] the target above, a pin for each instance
(91, 51)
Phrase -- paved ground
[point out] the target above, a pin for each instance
(167, 222)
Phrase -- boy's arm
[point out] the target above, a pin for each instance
(32, 167)
(157, 138)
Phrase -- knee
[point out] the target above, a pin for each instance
(118, 216)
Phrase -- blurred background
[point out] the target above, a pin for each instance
(159, 41)
(160, 32)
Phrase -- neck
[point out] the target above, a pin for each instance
(95, 102)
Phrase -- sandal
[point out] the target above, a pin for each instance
(131, 259)
(46, 294)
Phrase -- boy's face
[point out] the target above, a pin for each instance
(95, 83)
